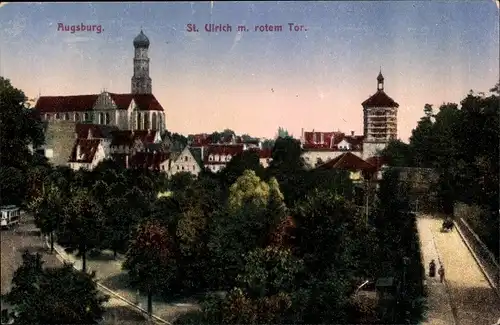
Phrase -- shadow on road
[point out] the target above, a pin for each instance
(33, 249)
(123, 315)
(101, 256)
(117, 282)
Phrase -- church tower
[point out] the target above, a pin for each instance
(141, 82)
(379, 120)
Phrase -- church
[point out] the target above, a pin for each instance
(89, 128)
(137, 110)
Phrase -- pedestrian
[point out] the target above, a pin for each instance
(432, 269)
(441, 273)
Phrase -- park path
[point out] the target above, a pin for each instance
(472, 299)
(440, 310)
(109, 273)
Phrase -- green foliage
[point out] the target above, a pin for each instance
(181, 181)
(270, 270)
(248, 160)
(54, 295)
(248, 188)
(83, 228)
(19, 127)
(150, 259)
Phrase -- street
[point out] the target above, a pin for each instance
(26, 236)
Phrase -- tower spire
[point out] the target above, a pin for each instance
(380, 80)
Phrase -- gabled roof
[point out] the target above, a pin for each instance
(348, 161)
(98, 131)
(88, 149)
(144, 102)
(380, 99)
(128, 137)
(148, 160)
(225, 149)
(82, 103)
(55, 104)
(197, 155)
(312, 141)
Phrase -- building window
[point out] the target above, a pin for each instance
(154, 122)
(86, 117)
(57, 116)
(186, 158)
(107, 119)
(47, 117)
(177, 167)
(66, 116)
(182, 167)
(194, 168)
(139, 121)
(77, 117)
(101, 118)
(210, 158)
(146, 121)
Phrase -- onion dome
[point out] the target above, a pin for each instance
(141, 41)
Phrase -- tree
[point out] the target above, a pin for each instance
(248, 188)
(181, 181)
(269, 271)
(83, 226)
(247, 160)
(50, 211)
(19, 127)
(54, 295)
(150, 261)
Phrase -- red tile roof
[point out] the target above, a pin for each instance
(378, 162)
(225, 149)
(98, 131)
(200, 140)
(222, 149)
(54, 104)
(348, 161)
(148, 160)
(88, 148)
(144, 102)
(81, 103)
(265, 153)
(380, 99)
(128, 137)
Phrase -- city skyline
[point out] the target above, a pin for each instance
(254, 82)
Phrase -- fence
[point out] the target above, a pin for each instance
(486, 260)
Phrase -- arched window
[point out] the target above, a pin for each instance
(146, 121)
(77, 117)
(66, 116)
(101, 118)
(86, 117)
(107, 119)
(160, 119)
(139, 121)
(154, 123)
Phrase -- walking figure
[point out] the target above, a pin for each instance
(441, 273)
(432, 269)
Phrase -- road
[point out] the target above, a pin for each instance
(26, 236)
(472, 299)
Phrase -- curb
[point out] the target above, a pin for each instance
(106, 289)
(478, 261)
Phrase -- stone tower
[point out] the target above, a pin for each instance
(379, 120)
(141, 82)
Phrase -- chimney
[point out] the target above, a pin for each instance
(352, 133)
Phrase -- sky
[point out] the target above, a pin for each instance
(254, 82)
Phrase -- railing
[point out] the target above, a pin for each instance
(485, 259)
